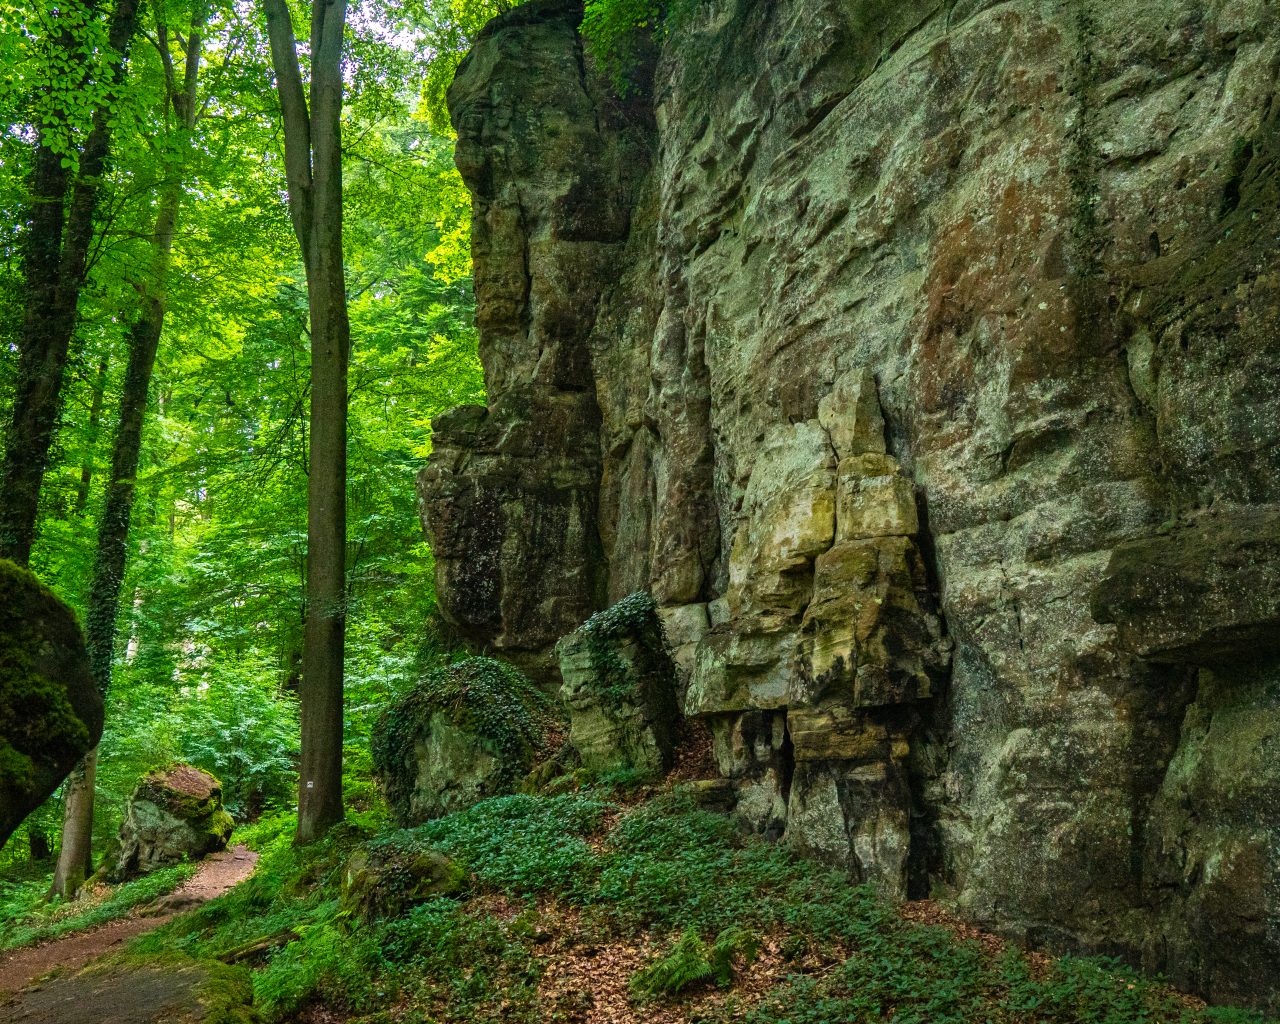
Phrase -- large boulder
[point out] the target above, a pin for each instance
(174, 814)
(384, 879)
(467, 731)
(620, 689)
(50, 711)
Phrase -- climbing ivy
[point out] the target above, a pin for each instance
(635, 616)
(484, 696)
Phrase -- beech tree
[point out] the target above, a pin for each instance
(313, 171)
(64, 190)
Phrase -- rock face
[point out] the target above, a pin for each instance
(174, 814)
(921, 360)
(50, 711)
(620, 689)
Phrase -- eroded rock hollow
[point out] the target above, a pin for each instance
(922, 360)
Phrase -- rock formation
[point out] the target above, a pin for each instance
(467, 731)
(50, 711)
(174, 814)
(921, 360)
(619, 690)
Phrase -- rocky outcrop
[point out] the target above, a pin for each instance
(50, 711)
(175, 814)
(467, 731)
(619, 690)
(922, 361)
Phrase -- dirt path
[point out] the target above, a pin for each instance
(217, 874)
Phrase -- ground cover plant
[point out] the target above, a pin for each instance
(26, 918)
(727, 928)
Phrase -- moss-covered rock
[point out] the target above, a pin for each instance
(620, 689)
(50, 711)
(385, 880)
(174, 814)
(468, 731)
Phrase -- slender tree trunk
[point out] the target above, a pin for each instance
(55, 265)
(313, 168)
(95, 418)
(113, 528)
(75, 856)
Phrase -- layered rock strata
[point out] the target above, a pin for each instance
(921, 360)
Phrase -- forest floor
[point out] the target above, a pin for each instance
(143, 995)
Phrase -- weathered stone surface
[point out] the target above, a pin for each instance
(850, 414)
(465, 732)
(1043, 237)
(1205, 592)
(50, 711)
(174, 814)
(620, 689)
(385, 880)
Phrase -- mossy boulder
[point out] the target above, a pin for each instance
(385, 880)
(620, 689)
(174, 814)
(466, 732)
(50, 711)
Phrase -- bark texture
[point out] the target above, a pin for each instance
(313, 167)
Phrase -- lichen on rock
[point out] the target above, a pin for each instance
(920, 359)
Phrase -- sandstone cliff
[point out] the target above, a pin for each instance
(922, 359)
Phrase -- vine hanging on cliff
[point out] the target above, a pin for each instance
(617, 32)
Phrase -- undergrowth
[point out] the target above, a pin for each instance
(586, 863)
(26, 919)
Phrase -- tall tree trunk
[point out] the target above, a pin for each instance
(55, 265)
(95, 417)
(313, 168)
(113, 528)
(75, 855)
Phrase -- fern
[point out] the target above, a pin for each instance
(691, 961)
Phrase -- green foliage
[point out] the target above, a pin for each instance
(636, 615)
(484, 696)
(25, 919)
(517, 844)
(664, 865)
(449, 28)
(691, 960)
(618, 33)
(240, 727)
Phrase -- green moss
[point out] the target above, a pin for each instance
(40, 726)
(157, 787)
(483, 696)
